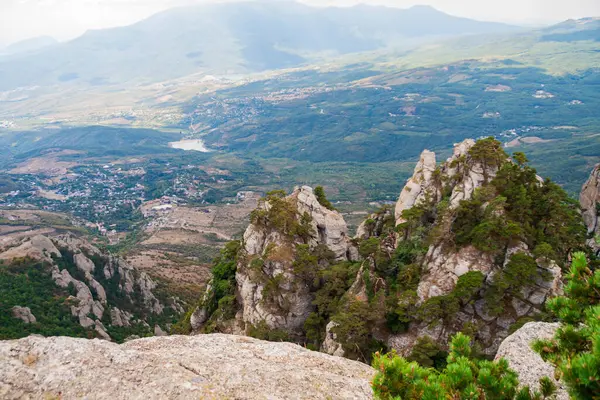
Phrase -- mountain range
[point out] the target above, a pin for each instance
(230, 38)
(28, 45)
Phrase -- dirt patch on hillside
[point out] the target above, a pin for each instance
(182, 241)
(527, 140)
(49, 165)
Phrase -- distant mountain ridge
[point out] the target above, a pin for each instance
(28, 45)
(229, 38)
(574, 30)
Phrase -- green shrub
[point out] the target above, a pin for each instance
(515, 206)
(334, 283)
(520, 271)
(262, 331)
(282, 215)
(322, 198)
(306, 264)
(462, 378)
(447, 306)
(489, 153)
(428, 353)
(354, 322)
(575, 348)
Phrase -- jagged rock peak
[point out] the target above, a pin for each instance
(176, 367)
(329, 225)
(449, 262)
(418, 186)
(589, 198)
(270, 244)
(460, 175)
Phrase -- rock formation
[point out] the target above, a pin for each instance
(527, 363)
(444, 263)
(269, 287)
(376, 223)
(589, 199)
(38, 247)
(89, 282)
(330, 344)
(419, 186)
(24, 314)
(452, 259)
(176, 367)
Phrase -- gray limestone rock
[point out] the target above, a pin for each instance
(292, 303)
(443, 266)
(119, 318)
(589, 198)
(24, 314)
(84, 264)
(159, 332)
(330, 344)
(38, 247)
(528, 364)
(176, 367)
(419, 186)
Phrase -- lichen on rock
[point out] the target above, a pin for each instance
(527, 363)
(176, 367)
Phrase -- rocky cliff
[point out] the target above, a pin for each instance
(176, 367)
(475, 244)
(589, 199)
(289, 240)
(270, 254)
(475, 250)
(102, 292)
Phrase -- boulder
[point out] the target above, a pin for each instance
(119, 318)
(176, 367)
(527, 363)
(84, 264)
(24, 314)
(101, 331)
(330, 344)
(159, 332)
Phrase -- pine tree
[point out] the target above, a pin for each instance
(575, 348)
(322, 198)
(463, 378)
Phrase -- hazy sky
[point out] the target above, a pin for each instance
(65, 19)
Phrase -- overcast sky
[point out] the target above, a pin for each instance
(65, 19)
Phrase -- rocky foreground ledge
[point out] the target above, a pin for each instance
(175, 367)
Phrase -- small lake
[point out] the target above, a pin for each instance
(190, 144)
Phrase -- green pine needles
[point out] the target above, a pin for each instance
(463, 378)
(575, 348)
(322, 198)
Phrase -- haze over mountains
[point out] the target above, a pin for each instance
(29, 45)
(230, 39)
